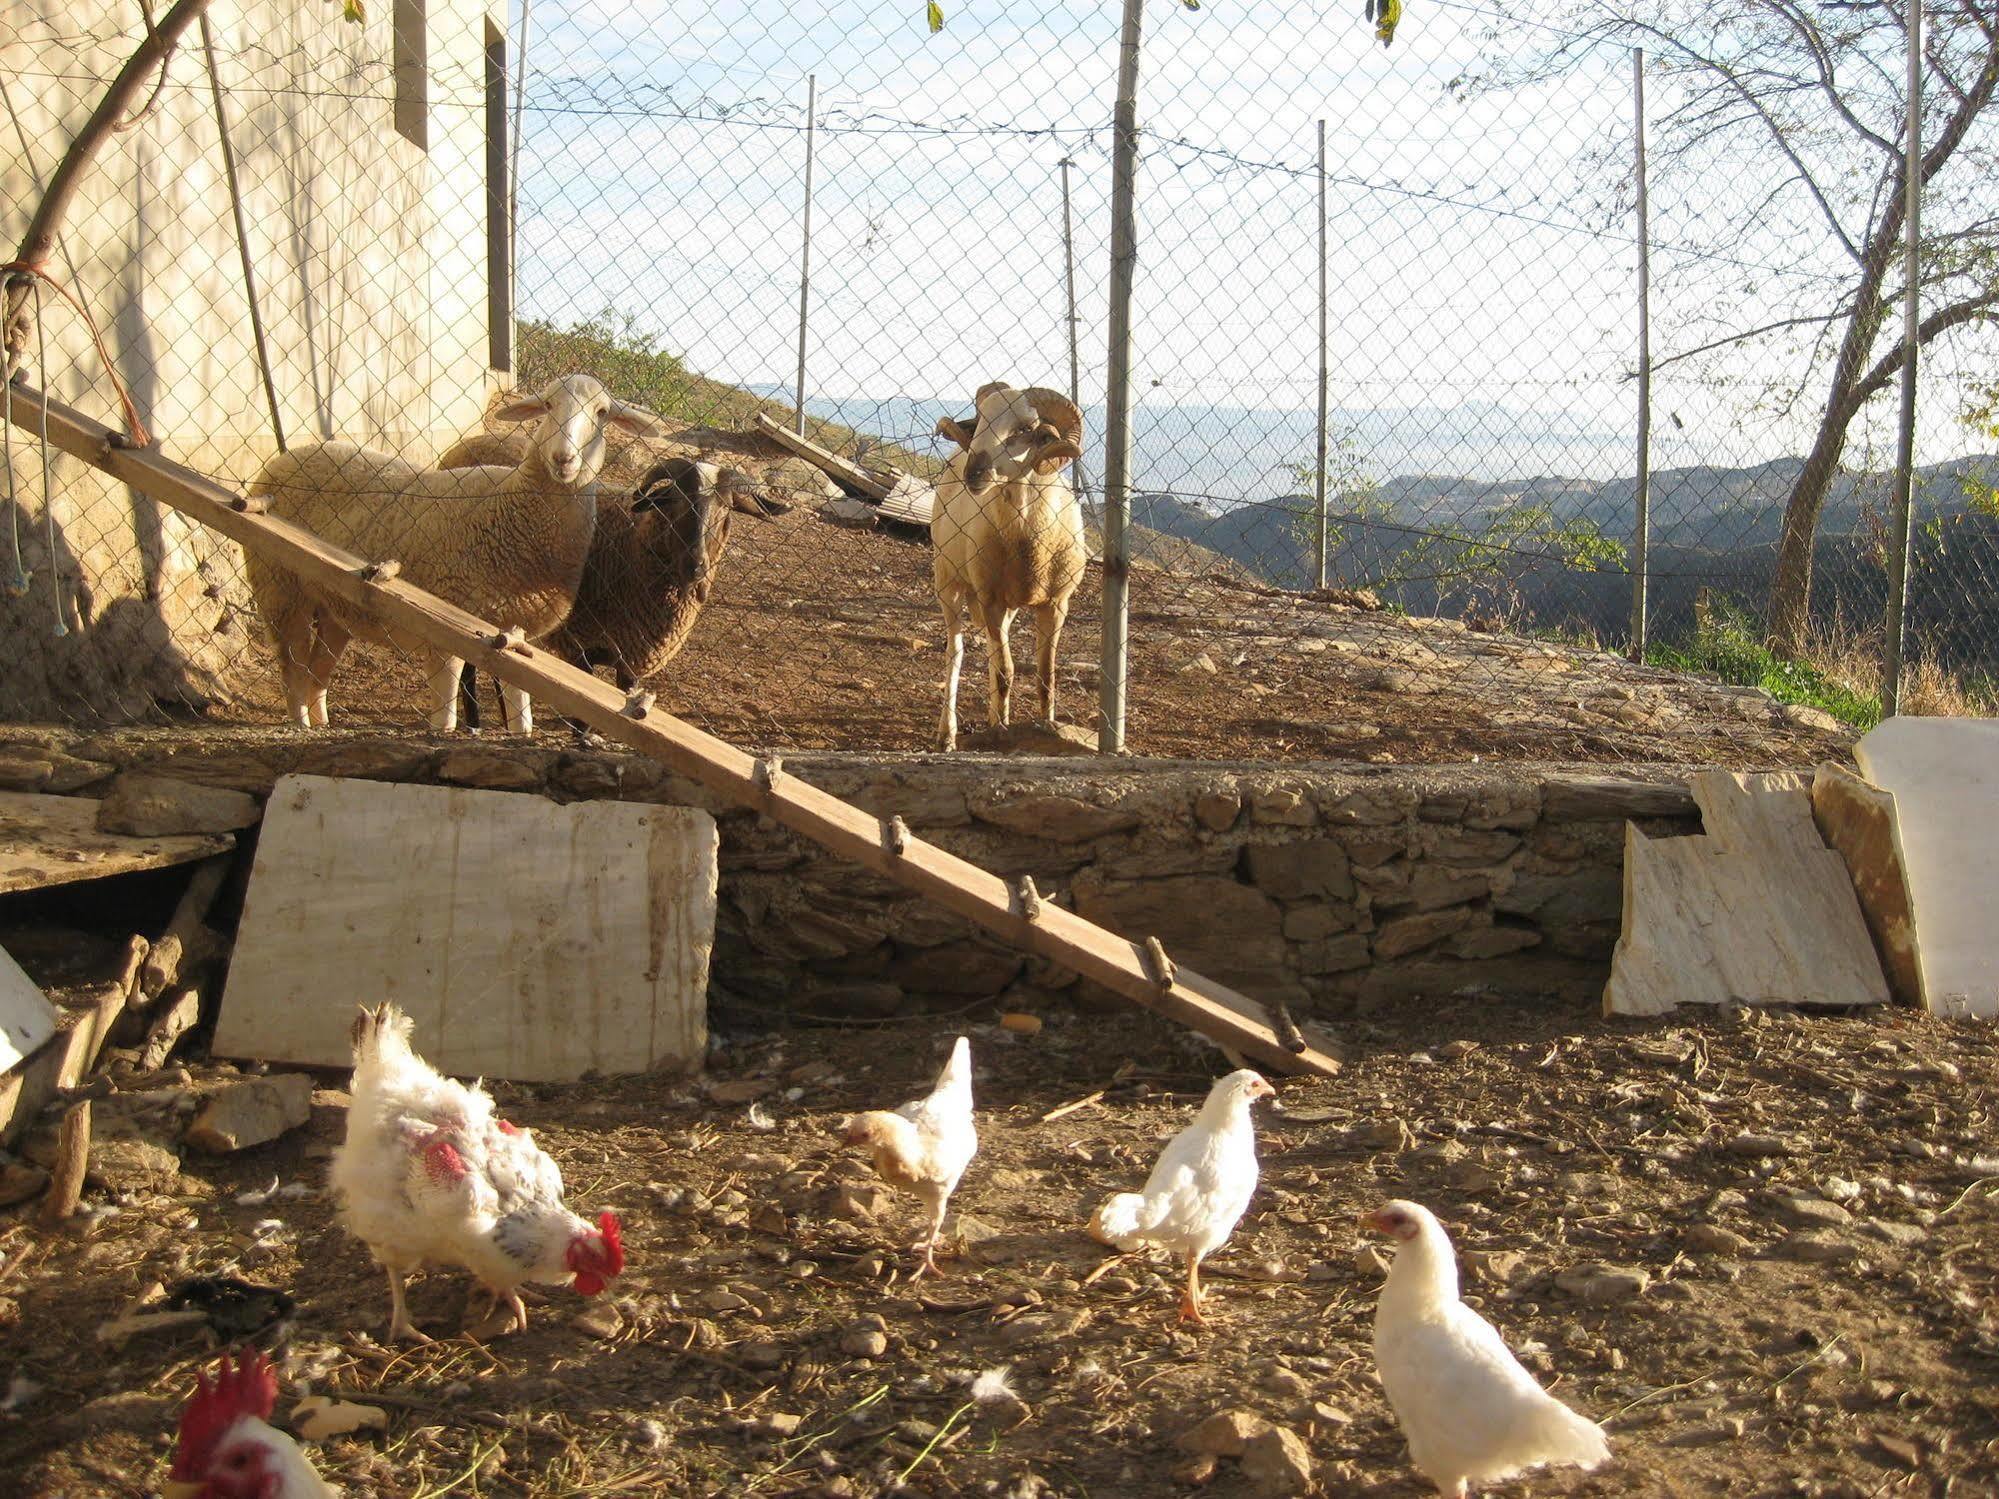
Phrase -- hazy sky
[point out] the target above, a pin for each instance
(663, 175)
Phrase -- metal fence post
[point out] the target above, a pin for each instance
(1324, 374)
(1069, 286)
(514, 168)
(1117, 386)
(805, 250)
(1905, 432)
(1641, 492)
(242, 238)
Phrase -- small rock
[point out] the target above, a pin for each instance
(860, 1201)
(782, 1423)
(1278, 1462)
(1902, 1235)
(1330, 1417)
(723, 1300)
(1900, 1450)
(1457, 1050)
(317, 1418)
(1369, 1261)
(1499, 1267)
(600, 1320)
(741, 1090)
(251, 1111)
(1287, 1382)
(1816, 1247)
(864, 1342)
(1197, 1470)
(1599, 1285)
(157, 807)
(19, 1181)
(1224, 1434)
(1712, 1238)
(1588, 1184)
(1761, 1145)
(761, 1355)
(1806, 1212)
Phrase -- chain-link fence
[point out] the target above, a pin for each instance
(441, 210)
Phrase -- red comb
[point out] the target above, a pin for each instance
(248, 1388)
(614, 1241)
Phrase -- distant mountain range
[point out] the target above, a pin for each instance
(1224, 479)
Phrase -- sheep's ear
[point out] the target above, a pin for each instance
(1047, 460)
(636, 420)
(522, 409)
(959, 432)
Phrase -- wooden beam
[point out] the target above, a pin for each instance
(1216, 1011)
(54, 840)
(841, 468)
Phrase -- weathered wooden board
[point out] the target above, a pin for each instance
(27, 1019)
(54, 840)
(1857, 819)
(1757, 911)
(911, 501)
(83, 1028)
(845, 469)
(1944, 776)
(526, 939)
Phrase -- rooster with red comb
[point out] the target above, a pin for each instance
(226, 1447)
(430, 1174)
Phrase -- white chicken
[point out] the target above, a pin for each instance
(1198, 1189)
(226, 1447)
(1470, 1412)
(429, 1173)
(925, 1146)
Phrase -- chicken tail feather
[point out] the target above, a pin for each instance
(380, 1032)
(1118, 1220)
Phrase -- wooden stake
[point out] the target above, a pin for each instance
(72, 1160)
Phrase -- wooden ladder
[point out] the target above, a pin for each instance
(1140, 971)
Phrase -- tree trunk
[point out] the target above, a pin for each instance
(116, 104)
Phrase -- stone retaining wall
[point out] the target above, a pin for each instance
(1334, 888)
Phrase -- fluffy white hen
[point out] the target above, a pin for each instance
(1198, 1189)
(429, 1173)
(925, 1146)
(1470, 1412)
(226, 1447)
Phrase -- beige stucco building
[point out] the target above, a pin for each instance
(372, 163)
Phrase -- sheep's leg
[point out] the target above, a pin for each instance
(468, 698)
(1048, 621)
(999, 666)
(516, 709)
(329, 644)
(295, 644)
(443, 679)
(954, 661)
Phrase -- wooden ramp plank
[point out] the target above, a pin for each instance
(54, 840)
(1219, 1013)
(1758, 911)
(1944, 776)
(528, 939)
(843, 469)
(1857, 819)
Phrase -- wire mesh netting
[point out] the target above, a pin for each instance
(425, 221)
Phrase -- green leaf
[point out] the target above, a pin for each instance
(935, 12)
(354, 10)
(1191, 4)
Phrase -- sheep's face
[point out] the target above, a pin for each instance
(571, 416)
(1017, 433)
(683, 515)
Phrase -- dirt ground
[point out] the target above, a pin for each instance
(1836, 1336)
(819, 636)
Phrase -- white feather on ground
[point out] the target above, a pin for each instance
(1198, 1189)
(925, 1146)
(1471, 1413)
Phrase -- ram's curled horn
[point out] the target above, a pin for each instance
(957, 429)
(1060, 418)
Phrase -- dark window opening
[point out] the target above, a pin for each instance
(412, 71)
(499, 204)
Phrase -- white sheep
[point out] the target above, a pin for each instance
(505, 543)
(1008, 535)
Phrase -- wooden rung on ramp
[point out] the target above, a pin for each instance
(1149, 979)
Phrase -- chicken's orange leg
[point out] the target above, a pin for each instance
(929, 1265)
(1190, 1299)
(401, 1329)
